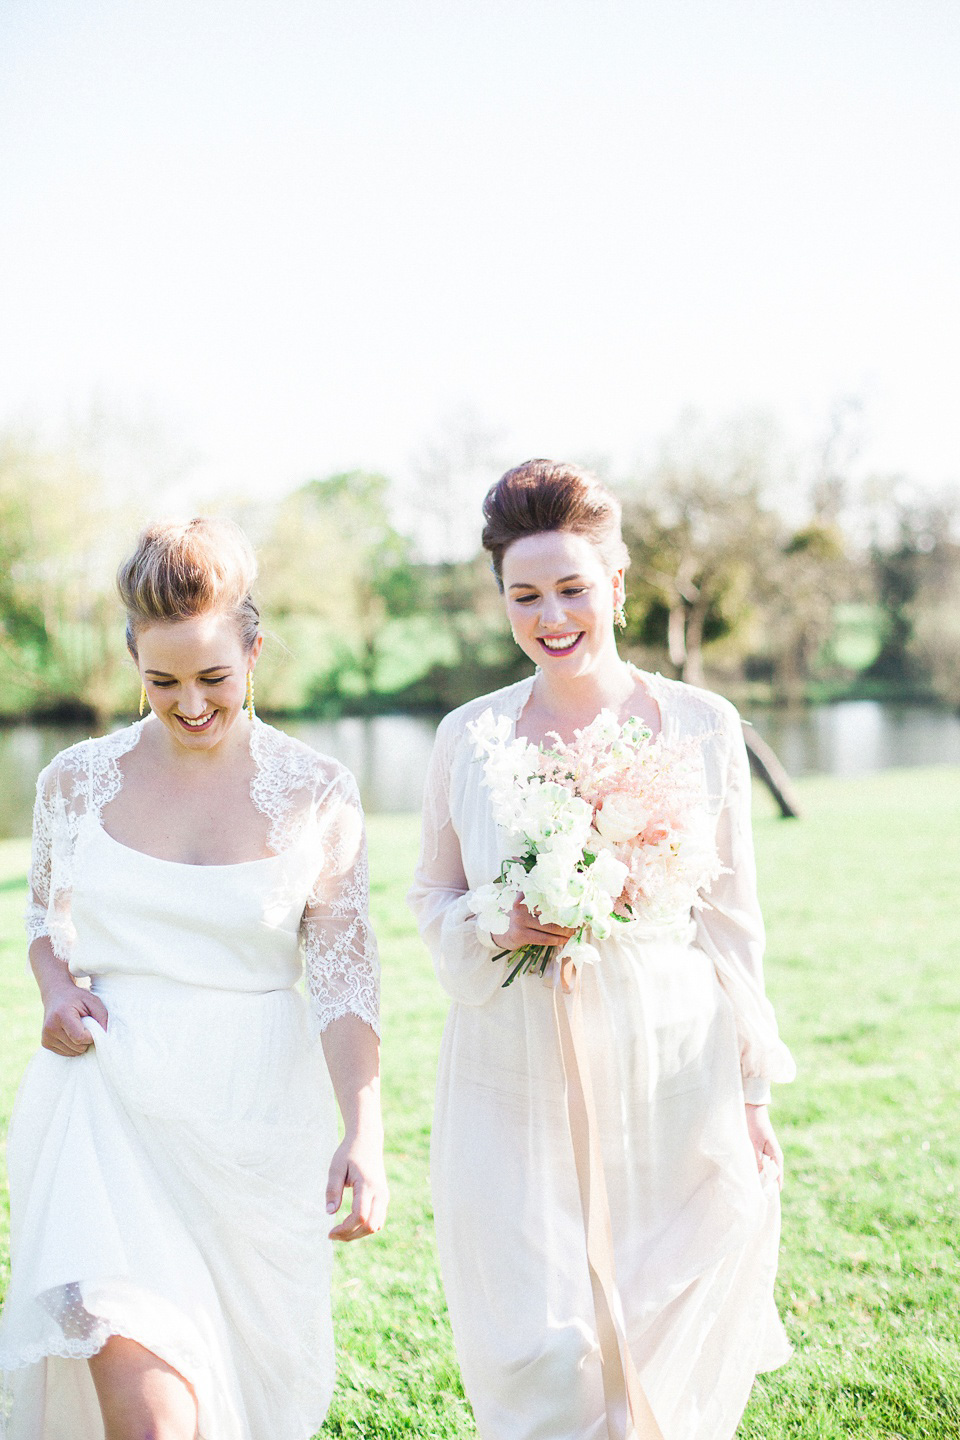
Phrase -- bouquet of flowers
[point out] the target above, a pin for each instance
(607, 830)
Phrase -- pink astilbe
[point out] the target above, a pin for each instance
(671, 858)
(605, 830)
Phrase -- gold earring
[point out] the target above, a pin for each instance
(620, 616)
(249, 701)
(143, 697)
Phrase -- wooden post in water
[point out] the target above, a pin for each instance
(766, 767)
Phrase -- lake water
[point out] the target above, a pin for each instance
(389, 754)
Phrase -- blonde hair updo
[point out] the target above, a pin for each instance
(179, 570)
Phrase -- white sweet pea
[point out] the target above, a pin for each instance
(515, 875)
(580, 952)
(507, 772)
(550, 881)
(604, 730)
(492, 905)
(550, 812)
(488, 730)
(568, 861)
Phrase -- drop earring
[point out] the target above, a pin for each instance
(143, 697)
(249, 700)
(620, 616)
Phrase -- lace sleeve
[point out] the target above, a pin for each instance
(730, 929)
(40, 878)
(337, 942)
(77, 783)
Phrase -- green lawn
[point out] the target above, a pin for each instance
(864, 944)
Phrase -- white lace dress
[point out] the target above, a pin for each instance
(677, 1033)
(168, 1185)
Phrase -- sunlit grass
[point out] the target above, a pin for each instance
(864, 966)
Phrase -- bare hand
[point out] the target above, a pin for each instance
(63, 1010)
(358, 1165)
(763, 1139)
(526, 929)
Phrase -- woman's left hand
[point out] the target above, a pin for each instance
(764, 1140)
(357, 1165)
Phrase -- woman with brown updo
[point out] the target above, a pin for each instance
(607, 1207)
(173, 1154)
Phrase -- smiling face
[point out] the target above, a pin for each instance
(195, 672)
(560, 600)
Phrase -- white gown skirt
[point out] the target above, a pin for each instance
(695, 1227)
(168, 1186)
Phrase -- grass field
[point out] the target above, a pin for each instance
(861, 898)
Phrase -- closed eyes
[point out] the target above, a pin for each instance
(572, 591)
(204, 680)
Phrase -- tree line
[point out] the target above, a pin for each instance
(749, 572)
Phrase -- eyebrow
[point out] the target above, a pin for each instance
(207, 670)
(528, 584)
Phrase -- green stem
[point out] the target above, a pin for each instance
(529, 959)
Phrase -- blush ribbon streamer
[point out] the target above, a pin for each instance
(629, 1416)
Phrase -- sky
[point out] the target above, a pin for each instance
(289, 237)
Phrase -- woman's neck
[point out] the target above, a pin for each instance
(579, 698)
(204, 764)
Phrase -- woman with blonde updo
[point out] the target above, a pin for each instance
(605, 1175)
(173, 1154)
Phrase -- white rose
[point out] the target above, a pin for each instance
(621, 816)
(608, 873)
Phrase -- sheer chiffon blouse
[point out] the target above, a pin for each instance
(460, 851)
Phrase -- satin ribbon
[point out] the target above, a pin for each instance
(629, 1416)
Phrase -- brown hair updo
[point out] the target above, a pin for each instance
(541, 495)
(181, 570)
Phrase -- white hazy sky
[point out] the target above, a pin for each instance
(298, 233)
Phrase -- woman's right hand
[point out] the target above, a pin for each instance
(64, 1007)
(525, 929)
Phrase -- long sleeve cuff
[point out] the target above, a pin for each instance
(486, 939)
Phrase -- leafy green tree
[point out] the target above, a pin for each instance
(335, 572)
(932, 616)
(798, 597)
(901, 560)
(61, 633)
(699, 530)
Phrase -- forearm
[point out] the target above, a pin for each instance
(50, 973)
(352, 1053)
(66, 1004)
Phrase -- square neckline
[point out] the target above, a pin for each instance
(185, 864)
(96, 815)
